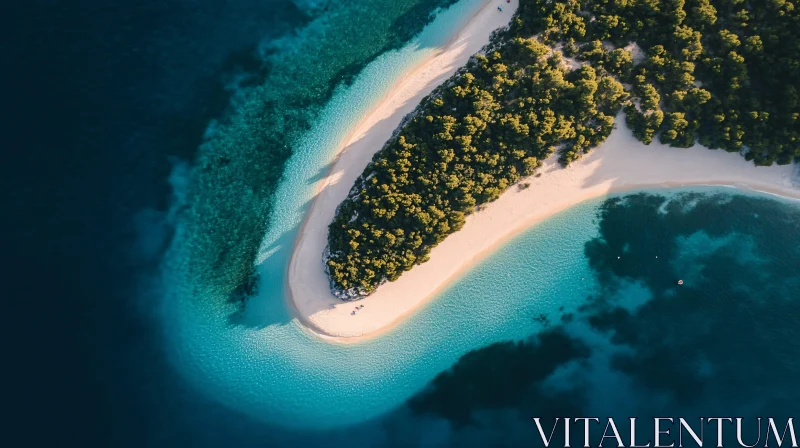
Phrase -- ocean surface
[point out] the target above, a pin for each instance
(160, 156)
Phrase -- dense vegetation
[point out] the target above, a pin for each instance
(479, 135)
(721, 72)
(281, 90)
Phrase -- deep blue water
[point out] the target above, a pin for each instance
(101, 96)
(723, 343)
(105, 99)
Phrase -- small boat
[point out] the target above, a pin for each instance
(680, 282)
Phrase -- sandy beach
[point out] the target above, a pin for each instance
(621, 163)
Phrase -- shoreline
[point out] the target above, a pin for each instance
(505, 238)
(620, 164)
(429, 73)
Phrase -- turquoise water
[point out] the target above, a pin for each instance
(279, 93)
(223, 350)
(541, 290)
(273, 369)
(724, 343)
(544, 282)
(111, 96)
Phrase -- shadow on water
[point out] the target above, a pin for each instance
(257, 318)
(321, 173)
(406, 26)
(503, 375)
(278, 249)
(724, 342)
(235, 181)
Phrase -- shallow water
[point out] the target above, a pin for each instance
(559, 288)
(641, 345)
(208, 327)
(546, 289)
(552, 324)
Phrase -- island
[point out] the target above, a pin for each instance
(530, 126)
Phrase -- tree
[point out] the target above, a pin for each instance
(704, 15)
(620, 63)
(721, 72)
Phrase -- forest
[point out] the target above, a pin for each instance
(720, 73)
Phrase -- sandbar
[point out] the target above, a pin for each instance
(620, 163)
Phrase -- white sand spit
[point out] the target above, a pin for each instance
(621, 163)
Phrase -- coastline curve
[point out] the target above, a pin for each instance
(367, 137)
(620, 164)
